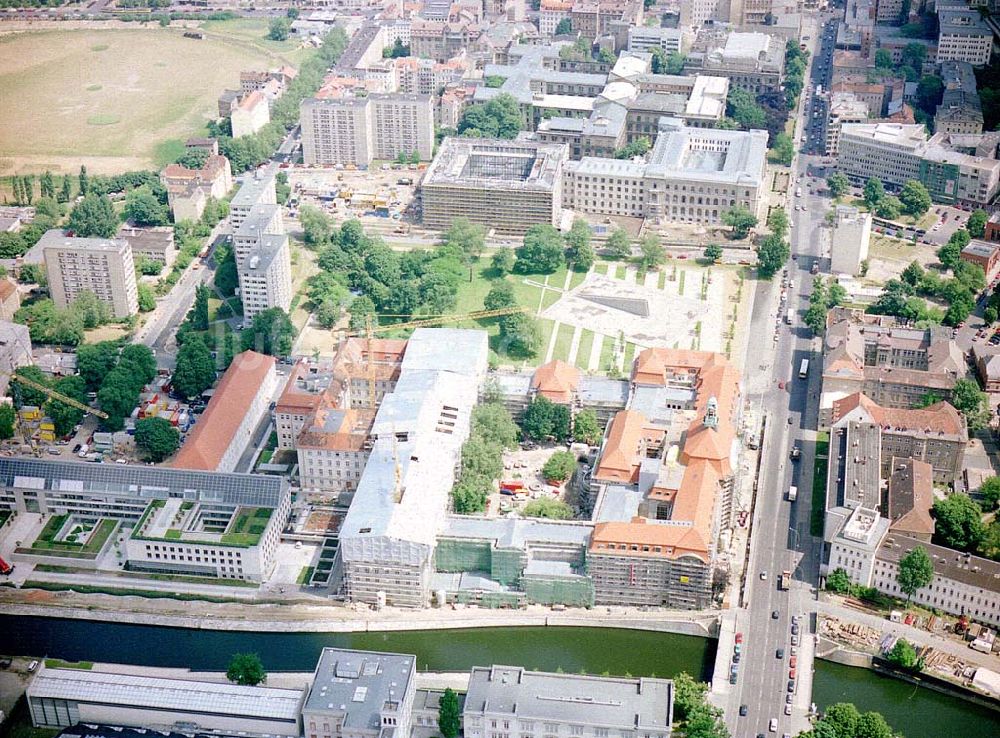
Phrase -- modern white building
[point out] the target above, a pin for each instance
(542, 703)
(850, 236)
(103, 266)
(360, 694)
(845, 107)
(854, 545)
(644, 38)
(388, 537)
(964, 35)
(890, 152)
(61, 698)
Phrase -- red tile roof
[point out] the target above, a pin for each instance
(556, 381)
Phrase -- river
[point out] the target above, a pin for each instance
(916, 712)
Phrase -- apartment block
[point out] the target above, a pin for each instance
(585, 706)
(265, 276)
(506, 185)
(188, 190)
(333, 448)
(960, 110)
(850, 235)
(257, 189)
(261, 220)
(551, 13)
(347, 128)
(965, 36)
(241, 399)
(103, 266)
(152, 243)
(301, 396)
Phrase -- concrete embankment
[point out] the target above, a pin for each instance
(703, 625)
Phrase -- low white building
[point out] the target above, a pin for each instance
(850, 236)
(853, 547)
(250, 115)
(644, 38)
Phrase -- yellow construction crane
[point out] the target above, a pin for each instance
(55, 395)
(371, 330)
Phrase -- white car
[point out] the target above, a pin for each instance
(763, 576)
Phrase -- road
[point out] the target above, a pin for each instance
(780, 535)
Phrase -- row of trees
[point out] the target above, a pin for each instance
(824, 296)
(844, 720)
(493, 432)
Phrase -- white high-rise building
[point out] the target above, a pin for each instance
(103, 266)
(852, 230)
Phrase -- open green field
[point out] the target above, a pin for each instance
(116, 100)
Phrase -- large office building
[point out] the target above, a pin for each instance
(61, 698)
(570, 704)
(241, 399)
(692, 175)
(754, 62)
(345, 126)
(644, 38)
(183, 522)
(103, 266)
(964, 35)
(506, 185)
(387, 539)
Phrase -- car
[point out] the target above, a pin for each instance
(788, 699)
(32, 666)
(779, 654)
(793, 661)
(790, 419)
(52, 450)
(796, 453)
(737, 648)
(791, 673)
(788, 709)
(795, 628)
(736, 657)
(77, 447)
(739, 638)
(795, 640)
(772, 725)
(791, 685)
(763, 576)
(793, 651)
(743, 710)
(774, 614)
(732, 677)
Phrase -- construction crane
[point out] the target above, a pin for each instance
(66, 399)
(371, 329)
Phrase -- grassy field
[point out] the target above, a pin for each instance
(118, 99)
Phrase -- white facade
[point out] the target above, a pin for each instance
(844, 108)
(265, 277)
(257, 189)
(851, 234)
(644, 38)
(890, 152)
(853, 547)
(103, 266)
(250, 115)
(964, 36)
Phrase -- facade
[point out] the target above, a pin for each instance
(250, 115)
(890, 152)
(851, 234)
(360, 694)
(506, 185)
(845, 107)
(754, 62)
(960, 110)
(152, 243)
(257, 189)
(61, 698)
(586, 706)
(388, 537)
(189, 189)
(347, 128)
(333, 448)
(551, 13)
(103, 266)
(241, 399)
(985, 255)
(15, 350)
(265, 277)
(962, 585)
(300, 397)
(692, 175)
(644, 38)
(854, 545)
(893, 365)
(965, 36)
(10, 299)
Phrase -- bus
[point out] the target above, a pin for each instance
(803, 368)
(793, 492)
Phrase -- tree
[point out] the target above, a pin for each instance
(619, 245)
(542, 252)
(84, 183)
(195, 369)
(929, 92)
(713, 252)
(873, 725)
(889, 207)
(783, 149)
(915, 572)
(559, 467)
(520, 335)
(688, 695)
(192, 158)
(742, 107)
(246, 669)
(903, 654)
(564, 27)
(469, 494)
(586, 429)
(958, 522)
(492, 421)
(146, 298)
(25, 395)
(989, 490)
(139, 361)
(545, 419)
(883, 59)
(838, 184)
(652, 252)
(143, 209)
(198, 316)
(976, 225)
(639, 147)
(92, 310)
(93, 216)
(579, 252)
(915, 198)
(950, 254)
(95, 360)
(970, 401)
(64, 416)
(838, 581)
(777, 221)
(741, 220)
(66, 191)
(449, 715)
(912, 274)
(548, 507)
(467, 238)
(873, 192)
(271, 333)
(481, 458)
(502, 262)
(772, 253)
(226, 278)
(316, 225)
(497, 118)
(278, 30)
(362, 311)
(7, 419)
(843, 717)
(500, 296)
(157, 437)
(47, 185)
(118, 395)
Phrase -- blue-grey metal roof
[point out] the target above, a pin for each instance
(356, 684)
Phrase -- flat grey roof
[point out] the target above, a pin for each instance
(158, 693)
(56, 238)
(356, 684)
(252, 188)
(624, 704)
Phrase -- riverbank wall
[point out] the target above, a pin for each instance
(702, 625)
(831, 651)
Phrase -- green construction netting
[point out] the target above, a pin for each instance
(576, 592)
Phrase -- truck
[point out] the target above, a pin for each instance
(786, 577)
(793, 492)
(804, 369)
(5, 568)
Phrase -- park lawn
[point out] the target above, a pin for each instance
(576, 279)
(305, 575)
(583, 350)
(564, 341)
(251, 33)
(630, 352)
(545, 328)
(112, 99)
(558, 278)
(213, 308)
(680, 281)
(661, 281)
(601, 267)
(620, 270)
(607, 355)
